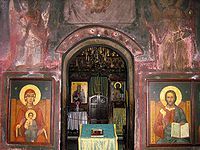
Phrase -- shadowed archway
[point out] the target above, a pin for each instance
(99, 35)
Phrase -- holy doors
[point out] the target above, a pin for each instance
(98, 109)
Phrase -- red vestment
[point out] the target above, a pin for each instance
(39, 121)
(167, 117)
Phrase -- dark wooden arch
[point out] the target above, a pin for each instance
(123, 44)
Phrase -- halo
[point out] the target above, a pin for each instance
(173, 88)
(32, 87)
(30, 111)
(120, 85)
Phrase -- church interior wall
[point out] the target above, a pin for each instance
(163, 38)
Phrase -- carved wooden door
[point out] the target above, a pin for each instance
(98, 109)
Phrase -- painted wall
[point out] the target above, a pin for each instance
(167, 33)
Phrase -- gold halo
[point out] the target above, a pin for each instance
(30, 111)
(173, 88)
(120, 85)
(32, 87)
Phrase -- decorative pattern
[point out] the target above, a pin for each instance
(99, 32)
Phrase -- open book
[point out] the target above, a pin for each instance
(97, 133)
(179, 131)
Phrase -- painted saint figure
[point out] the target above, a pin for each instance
(30, 95)
(30, 126)
(79, 94)
(117, 92)
(171, 113)
(171, 32)
(29, 32)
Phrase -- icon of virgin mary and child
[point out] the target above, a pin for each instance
(30, 125)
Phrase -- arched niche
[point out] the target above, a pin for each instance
(124, 45)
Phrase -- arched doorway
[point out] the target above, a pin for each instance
(125, 53)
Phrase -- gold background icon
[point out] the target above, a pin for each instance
(32, 87)
(173, 88)
(120, 85)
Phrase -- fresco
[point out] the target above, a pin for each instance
(29, 32)
(36, 27)
(171, 30)
(4, 30)
(97, 11)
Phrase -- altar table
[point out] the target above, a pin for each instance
(108, 142)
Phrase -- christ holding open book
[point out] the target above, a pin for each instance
(169, 115)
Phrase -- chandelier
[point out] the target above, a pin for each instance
(97, 59)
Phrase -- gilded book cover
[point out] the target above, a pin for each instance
(97, 133)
